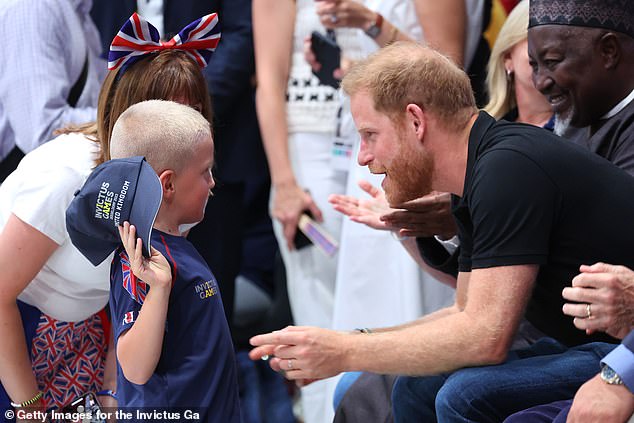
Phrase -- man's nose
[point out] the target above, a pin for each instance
(365, 155)
(542, 82)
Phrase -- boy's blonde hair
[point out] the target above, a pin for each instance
(165, 132)
(409, 73)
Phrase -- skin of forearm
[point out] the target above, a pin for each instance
(110, 367)
(489, 306)
(444, 23)
(139, 349)
(389, 34)
(16, 372)
(443, 312)
(439, 345)
(272, 117)
(273, 25)
(24, 245)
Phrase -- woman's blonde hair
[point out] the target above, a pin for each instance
(499, 84)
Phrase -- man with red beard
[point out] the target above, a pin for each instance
(530, 209)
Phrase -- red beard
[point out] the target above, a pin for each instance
(410, 175)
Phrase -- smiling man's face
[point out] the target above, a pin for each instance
(568, 72)
(388, 148)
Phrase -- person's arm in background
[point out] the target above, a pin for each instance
(273, 25)
(36, 74)
(106, 396)
(352, 14)
(23, 252)
(444, 26)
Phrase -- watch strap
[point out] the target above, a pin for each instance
(609, 376)
(375, 29)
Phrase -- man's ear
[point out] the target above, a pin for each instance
(610, 50)
(415, 119)
(167, 183)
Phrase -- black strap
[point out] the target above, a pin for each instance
(10, 163)
(78, 88)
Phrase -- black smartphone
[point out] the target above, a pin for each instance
(328, 54)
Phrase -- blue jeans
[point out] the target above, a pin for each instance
(545, 372)
(263, 394)
(555, 412)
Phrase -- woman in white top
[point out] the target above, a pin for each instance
(53, 337)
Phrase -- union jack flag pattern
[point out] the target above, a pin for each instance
(138, 37)
(68, 358)
(135, 287)
(128, 317)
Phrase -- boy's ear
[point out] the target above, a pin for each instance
(167, 183)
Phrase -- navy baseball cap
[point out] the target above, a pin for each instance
(116, 191)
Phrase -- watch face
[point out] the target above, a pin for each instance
(609, 376)
(373, 31)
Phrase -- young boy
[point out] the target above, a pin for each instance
(173, 346)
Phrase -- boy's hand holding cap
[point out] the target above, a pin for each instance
(116, 191)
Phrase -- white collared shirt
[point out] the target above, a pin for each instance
(620, 106)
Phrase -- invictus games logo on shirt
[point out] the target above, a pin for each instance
(207, 289)
(109, 203)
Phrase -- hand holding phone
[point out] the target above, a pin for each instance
(328, 54)
(310, 232)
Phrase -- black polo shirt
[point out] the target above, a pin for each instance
(532, 198)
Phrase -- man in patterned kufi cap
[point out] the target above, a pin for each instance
(580, 50)
(613, 15)
(582, 56)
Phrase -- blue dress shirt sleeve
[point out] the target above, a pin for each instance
(621, 360)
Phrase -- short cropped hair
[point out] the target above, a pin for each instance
(165, 132)
(410, 73)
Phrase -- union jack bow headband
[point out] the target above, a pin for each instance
(137, 37)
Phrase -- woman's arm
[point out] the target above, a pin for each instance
(352, 14)
(444, 24)
(23, 252)
(273, 25)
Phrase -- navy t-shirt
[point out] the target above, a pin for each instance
(532, 198)
(197, 368)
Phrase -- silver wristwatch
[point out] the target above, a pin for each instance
(609, 376)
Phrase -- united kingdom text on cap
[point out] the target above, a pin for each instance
(614, 15)
(116, 191)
